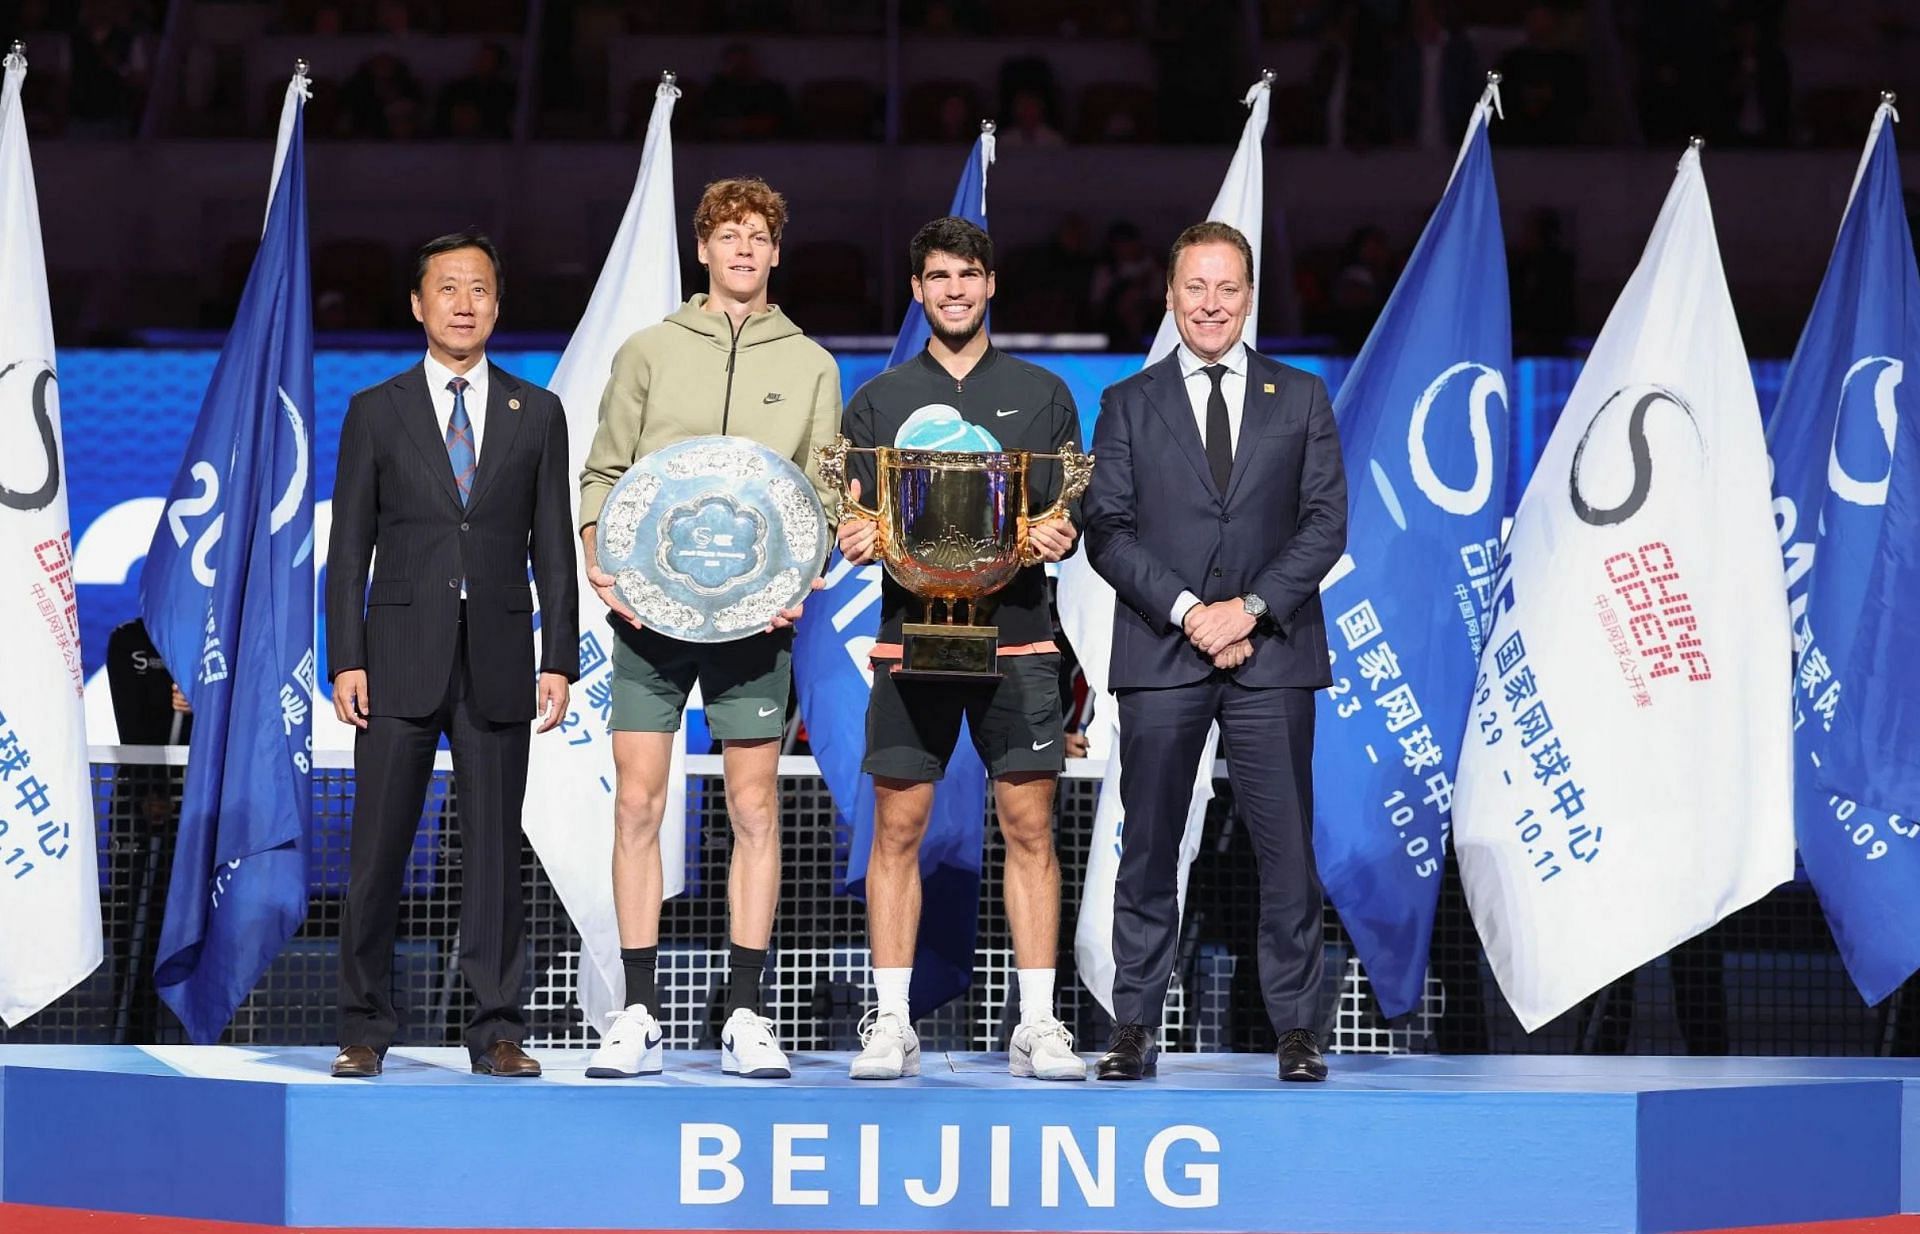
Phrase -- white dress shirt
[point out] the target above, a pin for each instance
(1233, 388)
(438, 375)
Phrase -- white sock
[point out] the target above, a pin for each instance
(1036, 994)
(891, 986)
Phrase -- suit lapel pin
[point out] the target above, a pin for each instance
(513, 404)
(1267, 387)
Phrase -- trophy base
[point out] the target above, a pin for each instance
(931, 652)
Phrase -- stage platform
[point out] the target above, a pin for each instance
(1392, 1144)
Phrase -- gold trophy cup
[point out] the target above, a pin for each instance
(953, 530)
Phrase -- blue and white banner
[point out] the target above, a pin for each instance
(49, 876)
(569, 812)
(834, 678)
(228, 595)
(1423, 418)
(1847, 506)
(1625, 777)
(1086, 609)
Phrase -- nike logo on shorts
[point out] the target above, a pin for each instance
(1041, 745)
(772, 398)
(767, 711)
(1004, 414)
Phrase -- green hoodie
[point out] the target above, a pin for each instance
(689, 377)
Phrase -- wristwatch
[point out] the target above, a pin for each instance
(1256, 607)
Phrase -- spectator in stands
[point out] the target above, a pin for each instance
(1544, 90)
(480, 104)
(1540, 272)
(1070, 263)
(1361, 287)
(108, 84)
(955, 121)
(1033, 75)
(1129, 289)
(1200, 64)
(742, 103)
(1752, 81)
(383, 99)
(1350, 79)
(1028, 127)
(1435, 77)
(1675, 96)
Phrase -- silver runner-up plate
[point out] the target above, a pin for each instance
(708, 538)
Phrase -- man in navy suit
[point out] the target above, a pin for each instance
(1219, 504)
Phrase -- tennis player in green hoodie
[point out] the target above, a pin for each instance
(724, 362)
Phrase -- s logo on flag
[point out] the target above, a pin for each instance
(1487, 386)
(1646, 398)
(1846, 486)
(39, 498)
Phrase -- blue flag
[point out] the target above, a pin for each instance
(227, 593)
(1423, 425)
(1847, 506)
(830, 672)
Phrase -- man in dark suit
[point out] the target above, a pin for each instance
(1219, 504)
(452, 477)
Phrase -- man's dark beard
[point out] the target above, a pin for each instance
(955, 339)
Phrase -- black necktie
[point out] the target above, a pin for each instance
(1219, 434)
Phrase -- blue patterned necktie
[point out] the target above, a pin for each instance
(460, 451)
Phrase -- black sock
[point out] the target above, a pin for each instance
(744, 967)
(642, 988)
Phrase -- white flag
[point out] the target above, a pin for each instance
(569, 815)
(49, 867)
(1086, 615)
(1625, 776)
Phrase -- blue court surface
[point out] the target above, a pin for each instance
(1419, 1143)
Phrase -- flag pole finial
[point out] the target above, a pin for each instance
(1493, 77)
(1887, 97)
(668, 77)
(1268, 76)
(19, 47)
(301, 68)
(988, 128)
(1696, 143)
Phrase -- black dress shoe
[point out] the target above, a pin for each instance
(1300, 1057)
(356, 1062)
(1131, 1055)
(507, 1060)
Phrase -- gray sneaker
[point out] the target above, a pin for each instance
(1044, 1051)
(889, 1048)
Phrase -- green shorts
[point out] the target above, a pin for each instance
(746, 683)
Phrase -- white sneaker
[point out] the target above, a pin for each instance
(1045, 1051)
(747, 1048)
(630, 1047)
(889, 1048)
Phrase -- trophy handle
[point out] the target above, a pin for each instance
(1076, 469)
(833, 470)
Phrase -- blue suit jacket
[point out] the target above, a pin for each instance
(1157, 525)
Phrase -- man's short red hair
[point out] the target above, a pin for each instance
(730, 201)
